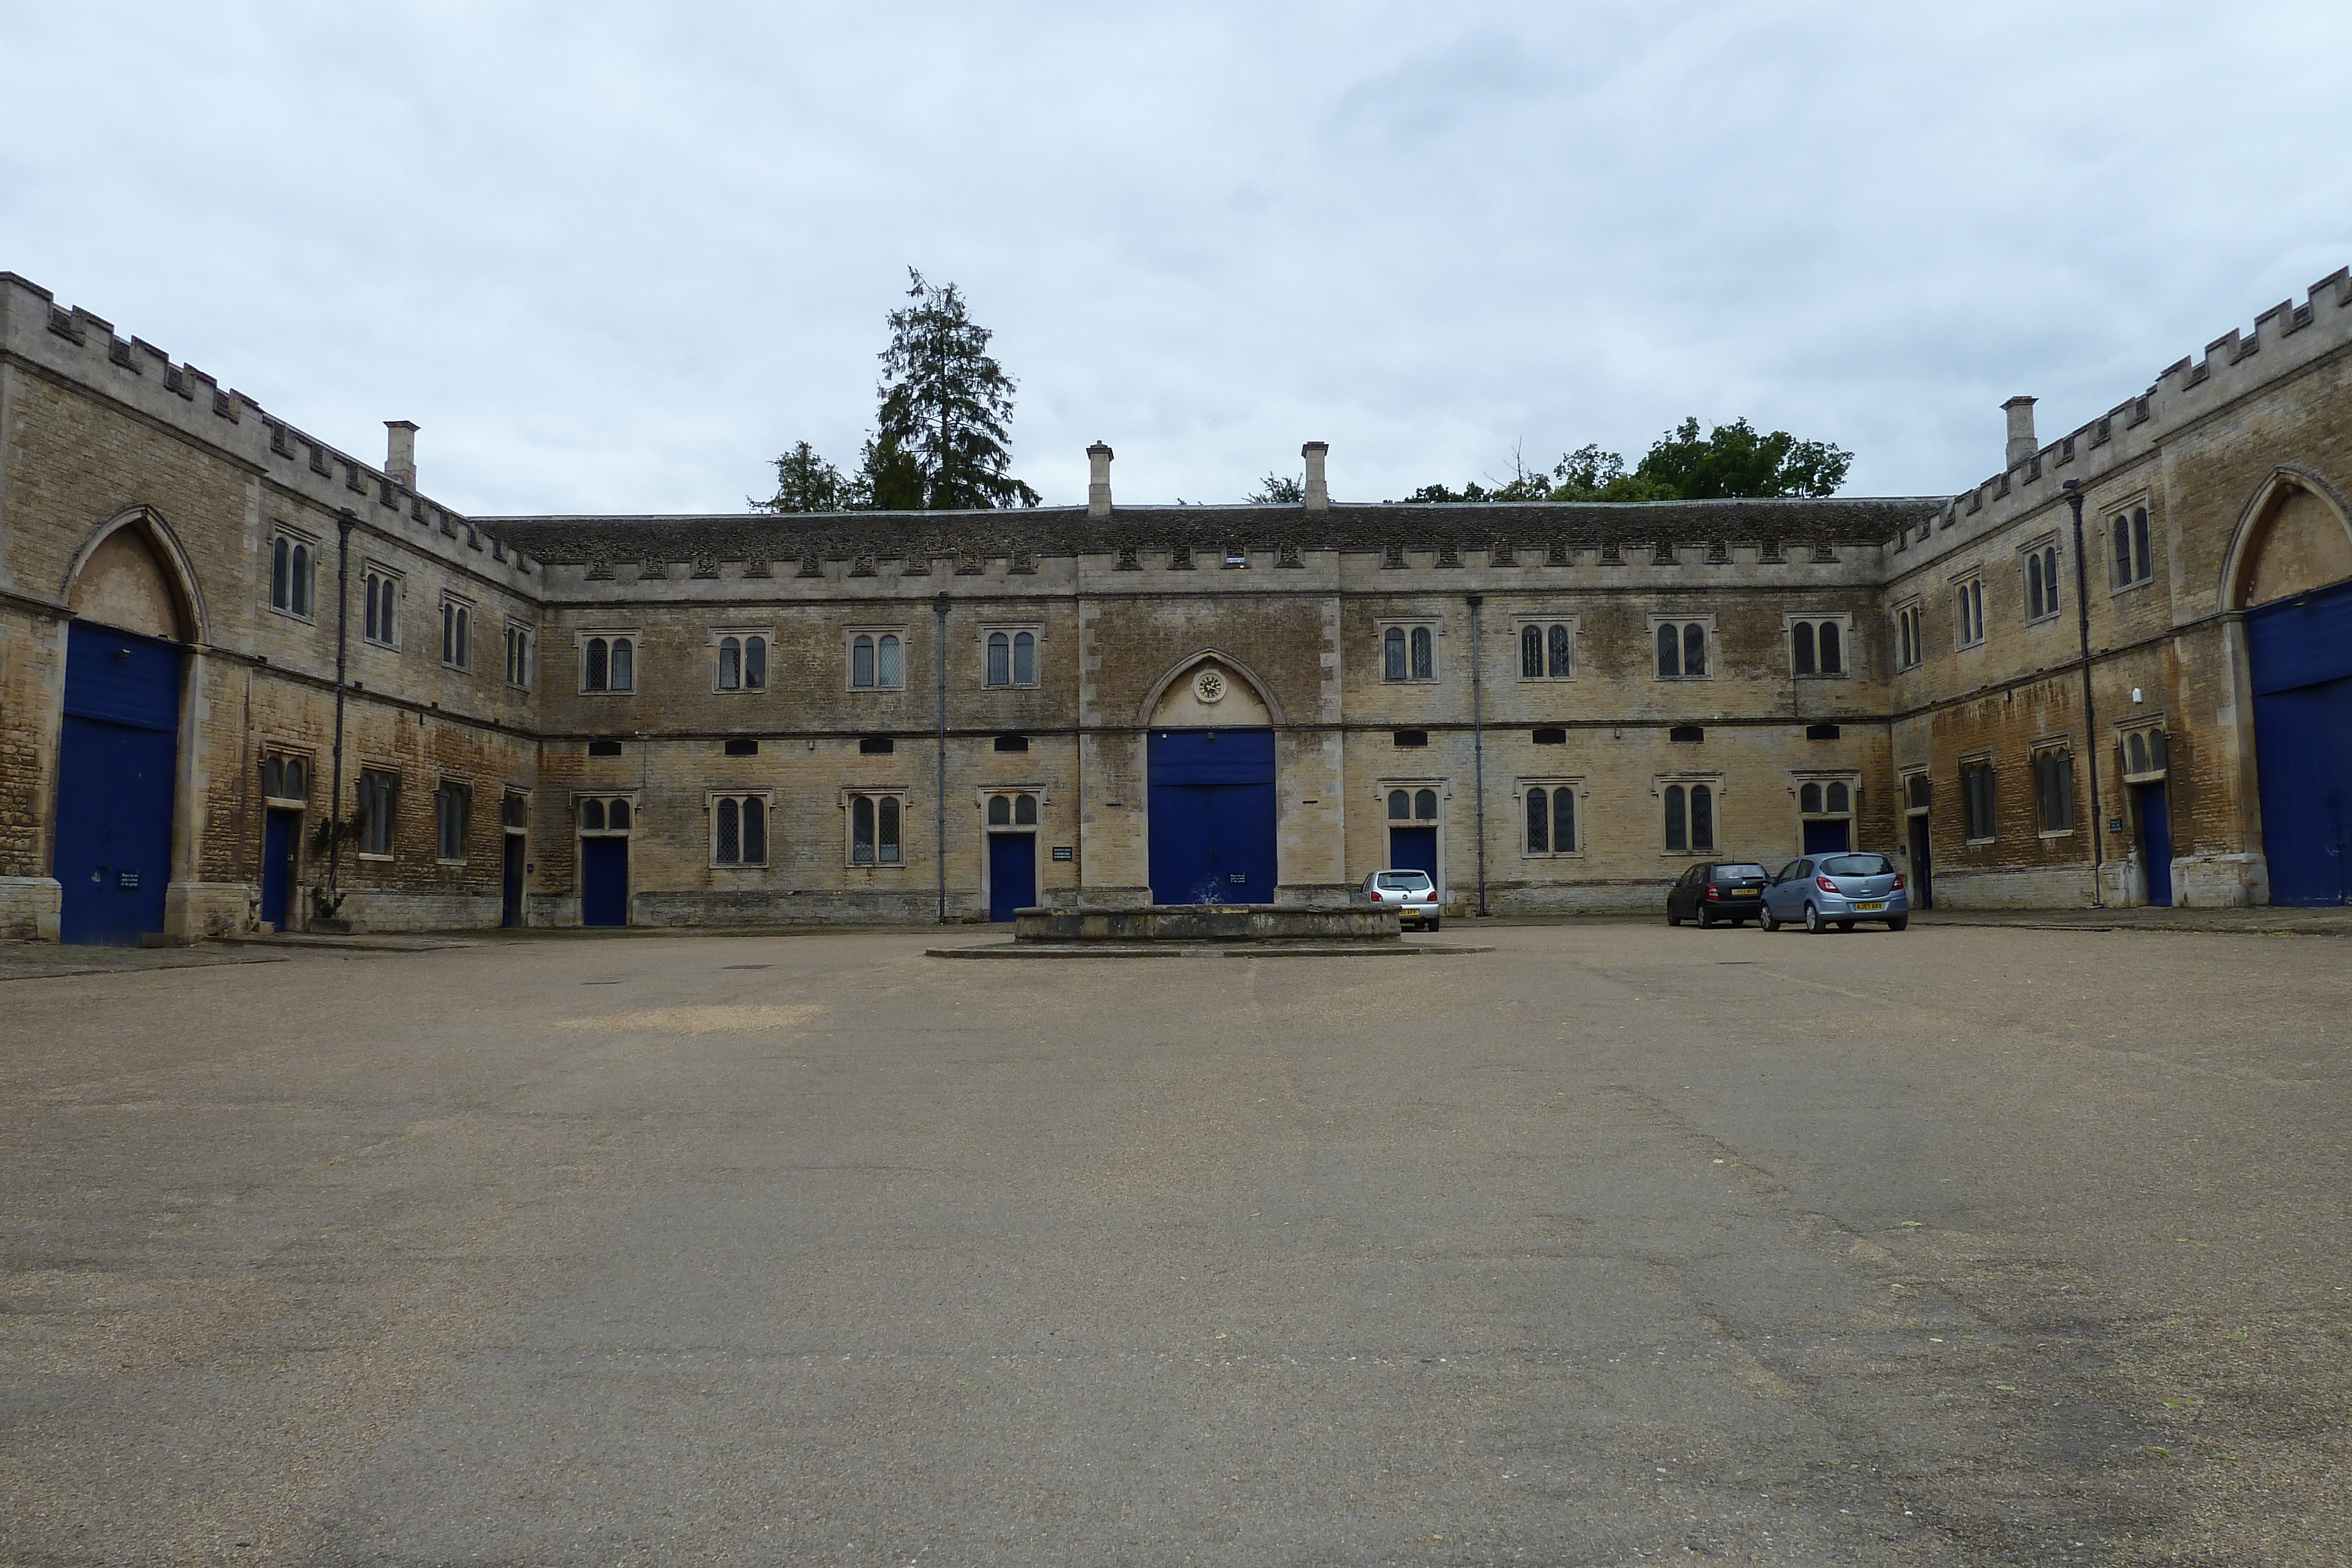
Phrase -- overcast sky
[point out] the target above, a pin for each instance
(614, 258)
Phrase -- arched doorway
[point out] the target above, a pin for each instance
(118, 752)
(1212, 782)
(2292, 573)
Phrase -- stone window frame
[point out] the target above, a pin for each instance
(370, 772)
(1710, 643)
(458, 614)
(1965, 765)
(1968, 602)
(850, 794)
(849, 636)
(303, 584)
(983, 794)
(1412, 785)
(1579, 790)
(522, 654)
(1011, 631)
(1409, 624)
(1910, 634)
(462, 786)
(2133, 517)
(710, 802)
(1714, 782)
(283, 752)
(632, 635)
(1904, 779)
(1815, 620)
(382, 590)
(606, 798)
(2154, 734)
(1822, 779)
(715, 644)
(1520, 624)
(2044, 550)
(2061, 746)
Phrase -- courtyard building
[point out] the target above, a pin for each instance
(243, 671)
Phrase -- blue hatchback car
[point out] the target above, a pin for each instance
(1823, 891)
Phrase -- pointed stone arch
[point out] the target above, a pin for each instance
(1148, 712)
(2294, 535)
(131, 572)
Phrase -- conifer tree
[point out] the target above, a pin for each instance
(806, 483)
(946, 406)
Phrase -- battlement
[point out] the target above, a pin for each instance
(84, 349)
(2287, 338)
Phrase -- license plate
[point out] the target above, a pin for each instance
(1869, 908)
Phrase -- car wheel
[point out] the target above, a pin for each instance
(1434, 922)
(1900, 923)
(1705, 918)
(1813, 920)
(1771, 921)
(1672, 918)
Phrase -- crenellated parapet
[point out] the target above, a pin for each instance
(85, 350)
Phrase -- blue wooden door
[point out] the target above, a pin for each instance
(1828, 837)
(510, 884)
(281, 838)
(2155, 842)
(604, 881)
(2300, 653)
(1212, 816)
(1415, 849)
(1012, 873)
(116, 758)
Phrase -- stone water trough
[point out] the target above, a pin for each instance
(1322, 929)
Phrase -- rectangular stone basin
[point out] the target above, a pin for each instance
(1210, 922)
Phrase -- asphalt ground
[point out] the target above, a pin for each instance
(1616, 1245)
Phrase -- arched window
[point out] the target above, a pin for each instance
(999, 812)
(2137, 762)
(592, 816)
(1392, 665)
(1000, 659)
(1531, 653)
(861, 831)
(281, 573)
(1702, 816)
(755, 830)
(755, 663)
(886, 829)
(1538, 822)
(1677, 820)
(1694, 649)
(1556, 642)
(298, 599)
(1809, 799)
(1400, 806)
(861, 661)
(2033, 588)
(888, 671)
(1800, 639)
(1024, 810)
(1670, 661)
(727, 847)
(1841, 799)
(593, 668)
(1832, 649)
(619, 819)
(1024, 658)
(730, 665)
(1424, 654)
(1425, 805)
(1563, 821)
(624, 671)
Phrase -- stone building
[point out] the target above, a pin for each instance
(219, 634)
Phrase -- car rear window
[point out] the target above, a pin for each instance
(1403, 881)
(1724, 872)
(1857, 865)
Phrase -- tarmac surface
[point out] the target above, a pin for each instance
(1615, 1245)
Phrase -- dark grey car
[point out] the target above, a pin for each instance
(1822, 891)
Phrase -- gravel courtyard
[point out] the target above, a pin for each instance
(1615, 1245)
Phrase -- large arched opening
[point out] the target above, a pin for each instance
(2290, 570)
(1211, 803)
(118, 748)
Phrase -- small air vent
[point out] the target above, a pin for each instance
(742, 748)
(1820, 732)
(876, 746)
(1687, 734)
(1012, 743)
(1552, 737)
(603, 748)
(1412, 737)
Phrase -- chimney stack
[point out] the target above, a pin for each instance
(2021, 444)
(1099, 457)
(1319, 489)
(400, 452)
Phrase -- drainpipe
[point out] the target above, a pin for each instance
(343, 522)
(1479, 743)
(2090, 714)
(939, 608)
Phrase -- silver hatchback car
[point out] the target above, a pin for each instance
(1823, 891)
(1411, 893)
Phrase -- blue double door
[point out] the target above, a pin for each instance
(1212, 816)
(2301, 654)
(116, 760)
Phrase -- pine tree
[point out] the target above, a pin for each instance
(945, 405)
(806, 483)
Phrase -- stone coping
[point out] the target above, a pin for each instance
(1359, 948)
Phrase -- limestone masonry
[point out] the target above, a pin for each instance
(755, 720)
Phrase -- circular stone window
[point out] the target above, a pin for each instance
(1209, 686)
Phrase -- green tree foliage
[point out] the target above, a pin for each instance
(1729, 460)
(1278, 491)
(946, 406)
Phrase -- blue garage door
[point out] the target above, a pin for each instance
(115, 763)
(1012, 873)
(1212, 816)
(2301, 651)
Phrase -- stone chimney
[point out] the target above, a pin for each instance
(400, 452)
(1099, 457)
(1319, 490)
(2021, 444)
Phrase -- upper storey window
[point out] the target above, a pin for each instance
(1682, 649)
(1409, 652)
(1967, 612)
(292, 575)
(608, 663)
(381, 623)
(1548, 650)
(1012, 657)
(2041, 581)
(2133, 562)
(743, 661)
(1818, 647)
(456, 634)
(1910, 647)
(878, 661)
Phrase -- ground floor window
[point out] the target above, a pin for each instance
(739, 829)
(2053, 789)
(1550, 811)
(453, 811)
(1977, 801)
(379, 805)
(874, 829)
(598, 815)
(1013, 811)
(1413, 805)
(1690, 818)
